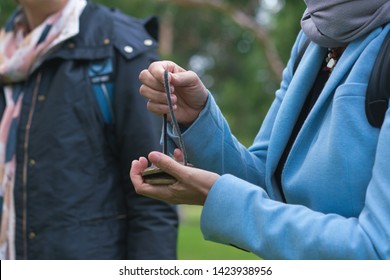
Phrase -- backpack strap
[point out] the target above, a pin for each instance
(378, 90)
(101, 75)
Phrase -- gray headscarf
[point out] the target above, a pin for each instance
(334, 23)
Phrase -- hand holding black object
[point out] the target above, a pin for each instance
(153, 175)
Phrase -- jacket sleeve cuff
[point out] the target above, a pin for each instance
(222, 214)
(206, 122)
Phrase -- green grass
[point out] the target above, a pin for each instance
(192, 246)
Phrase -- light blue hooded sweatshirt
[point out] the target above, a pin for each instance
(336, 179)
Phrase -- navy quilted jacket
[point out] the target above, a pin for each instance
(73, 195)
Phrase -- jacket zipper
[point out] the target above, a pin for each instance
(25, 162)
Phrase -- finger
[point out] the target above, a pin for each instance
(156, 96)
(167, 164)
(144, 162)
(159, 109)
(150, 80)
(178, 155)
(156, 192)
(137, 166)
(170, 66)
(157, 69)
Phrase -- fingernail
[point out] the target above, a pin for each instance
(155, 156)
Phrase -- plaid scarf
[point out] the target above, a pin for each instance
(22, 52)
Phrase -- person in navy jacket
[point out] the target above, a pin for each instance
(65, 191)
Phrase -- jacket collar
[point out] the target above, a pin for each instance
(299, 87)
(102, 30)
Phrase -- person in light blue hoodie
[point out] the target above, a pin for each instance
(315, 184)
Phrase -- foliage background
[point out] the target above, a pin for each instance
(231, 60)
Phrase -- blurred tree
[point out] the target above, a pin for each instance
(6, 7)
(238, 48)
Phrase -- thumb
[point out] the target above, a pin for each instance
(184, 79)
(166, 163)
